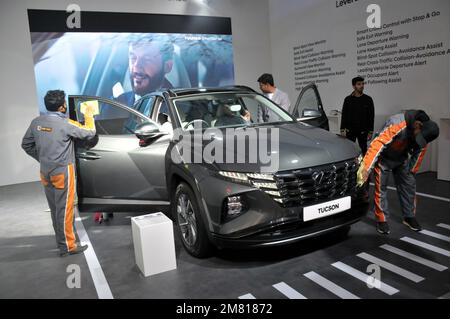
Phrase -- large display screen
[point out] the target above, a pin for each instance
(127, 65)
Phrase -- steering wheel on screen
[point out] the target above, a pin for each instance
(194, 121)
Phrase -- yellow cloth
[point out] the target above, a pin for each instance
(90, 107)
(361, 175)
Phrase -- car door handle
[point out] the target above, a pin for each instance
(89, 156)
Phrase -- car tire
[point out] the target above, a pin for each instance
(189, 222)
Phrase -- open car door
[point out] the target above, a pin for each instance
(309, 108)
(115, 172)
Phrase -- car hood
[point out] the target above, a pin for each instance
(300, 146)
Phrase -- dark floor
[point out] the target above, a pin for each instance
(29, 267)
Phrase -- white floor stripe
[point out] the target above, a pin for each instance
(417, 259)
(391, 267)
(288, 291)
(426, 246)
(446, 296)
(330, 286)
(247, 296)
(100, 282)
(444, 226)
(421, 194)
(364, 277)
(435, 235)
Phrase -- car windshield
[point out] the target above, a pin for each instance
(221, 110)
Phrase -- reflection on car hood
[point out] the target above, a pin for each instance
(300, 146)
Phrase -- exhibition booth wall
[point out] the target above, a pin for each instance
(328, 42)
(250, 44)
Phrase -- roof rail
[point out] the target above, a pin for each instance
(242, 87)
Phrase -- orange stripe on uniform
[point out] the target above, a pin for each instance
(57, 181)
(418, 163)
(68, 217)
(379, 215)
(380, 142)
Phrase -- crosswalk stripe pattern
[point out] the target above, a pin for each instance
(391, 267)
(288, 291)
(435, 235)
(365, 278)
(417, 259)
(247, 296)
(330, 286)
(340, 292)
(444, 226)
(426, 246)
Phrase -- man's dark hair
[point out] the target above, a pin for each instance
(165, 44)
(357, 79)
(266, 78)
(54, 99)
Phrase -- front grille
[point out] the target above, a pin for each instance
(313, 185)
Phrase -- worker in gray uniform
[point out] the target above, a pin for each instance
(50, 140)
(399, 148)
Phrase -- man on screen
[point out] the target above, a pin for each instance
(150, 58)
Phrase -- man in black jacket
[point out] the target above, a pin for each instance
(358, 115)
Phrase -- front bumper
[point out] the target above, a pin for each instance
(292, 231)
(266, 222)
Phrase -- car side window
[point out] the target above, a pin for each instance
(112, 120)
(255, 108)
(308, 101)
(163, 117)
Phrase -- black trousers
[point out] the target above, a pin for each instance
(362, 139)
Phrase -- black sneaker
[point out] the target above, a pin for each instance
(412, 223)
(76, 251)
(383, 228)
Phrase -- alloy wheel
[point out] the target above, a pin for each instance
(186, 220)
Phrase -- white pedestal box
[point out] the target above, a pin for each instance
(154, 245)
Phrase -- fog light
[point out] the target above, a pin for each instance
(234, 206)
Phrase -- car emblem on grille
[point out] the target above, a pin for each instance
(318, 177)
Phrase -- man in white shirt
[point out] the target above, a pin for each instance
(267, 86)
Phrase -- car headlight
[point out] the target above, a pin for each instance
(258, 180)
(249, 177)
(266, 177)
(235, 175)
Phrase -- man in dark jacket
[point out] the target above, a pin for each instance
(358, 115)
(399, 148)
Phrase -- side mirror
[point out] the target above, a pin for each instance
(311, 113)
(148, 130)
